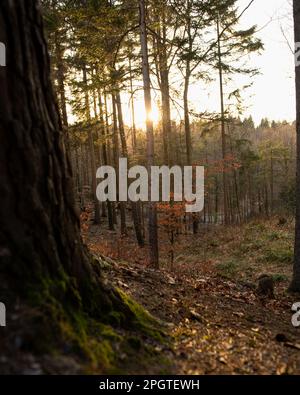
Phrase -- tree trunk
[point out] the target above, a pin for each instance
(107, 130)
(153, 234)
(295, 285)
(187, 125)
(165, 90)
(61, 87)
(223, 132)
(134, 206)
(39, 226)
(133, 132)
(91, 152)
(123, 142)
(115, 141)
(105, 158)
(272, 182)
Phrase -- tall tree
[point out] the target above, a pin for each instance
(152, 223)
(164, 58)
(40, 242)
(223, 124)
(56, 28)
(105, 156)
(91, 149)
(295, 285)
(231, 45)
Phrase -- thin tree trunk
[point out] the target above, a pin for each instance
(134, 206)
(188, 134)
(187, 125)
(272, 182)
(107, 129)
(165, 90)
(105, 159)
(223, 131)
(115, 147)
(123, 144)
(153, 233)
(216, 200)
(266, 198)
(61, 88)
(91, 152)
(133, 132)
(83, 176)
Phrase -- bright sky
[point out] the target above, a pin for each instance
(272, 94)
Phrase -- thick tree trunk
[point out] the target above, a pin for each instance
(295, 285)
(39, 227)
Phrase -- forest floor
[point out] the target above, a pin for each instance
(216, 320)
(206, 302)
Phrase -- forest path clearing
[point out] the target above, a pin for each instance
(219, 326)
(218, 322)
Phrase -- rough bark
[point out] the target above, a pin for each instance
(39, 226)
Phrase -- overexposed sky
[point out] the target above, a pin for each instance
(273, 93)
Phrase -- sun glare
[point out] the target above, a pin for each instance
(140, 114)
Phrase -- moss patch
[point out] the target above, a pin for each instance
(124, 339)
(142, 319)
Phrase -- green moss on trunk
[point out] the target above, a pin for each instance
(102, 332)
